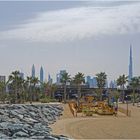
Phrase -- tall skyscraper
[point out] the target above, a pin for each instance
(22, 75)
(92, 82)
(59, 75)
(33, 71)
(41, 74)
(113, 84)
(50, 79)
(89, 81)
(130, 65)
(2, 78)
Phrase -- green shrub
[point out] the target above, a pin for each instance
(47, 100)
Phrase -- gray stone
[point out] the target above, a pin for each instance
(50, 138)
(15, 127)
(4, 124)
(3, 136)
(38, 137)
(28, 121)
(20, 134)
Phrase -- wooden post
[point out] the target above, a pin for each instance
(127, 108)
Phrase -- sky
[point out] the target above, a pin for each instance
(79, 36)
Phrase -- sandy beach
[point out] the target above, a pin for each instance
(99, 127)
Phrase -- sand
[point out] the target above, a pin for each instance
(99, 127)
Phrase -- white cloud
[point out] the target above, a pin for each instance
(78, 23)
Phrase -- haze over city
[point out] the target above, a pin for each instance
(78, 36)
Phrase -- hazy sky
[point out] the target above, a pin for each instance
(79, 36)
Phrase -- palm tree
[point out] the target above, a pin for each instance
(121, 81)
(134, 84)
(20, 87)
(2, 91)
(34, 82)
(2, 87)
(14, 81)
(53, 89)
(28, 82)
(44, 86)
(65, 78)
(101, 82)
(78, 80)
(25, 90)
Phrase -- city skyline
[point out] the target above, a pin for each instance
(77, 36)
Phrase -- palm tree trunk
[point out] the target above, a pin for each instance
(133, 97)
(31, 94)
(123, 94)
(53, 94)
(65, 88)
(16, 92)
(101, 94)
(79, 95)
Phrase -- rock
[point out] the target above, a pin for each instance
(4, 124)
(20, 134)
(28, 121)
(50, 138)
(31, 120)
(38, 137)
(4, 118)
(60, 137)
(3, 136)
(15, 127)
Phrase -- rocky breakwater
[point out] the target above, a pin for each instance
(29, 121)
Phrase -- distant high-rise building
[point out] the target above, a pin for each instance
(49, 79)
(113, 84)
(106, 84)
(41, 74)
(130, 65)
(88, 78)
(22, 75)
(3, 79)
(59, 75)
(89, 81)
(57, 78)
(92, 82)
(33, 71)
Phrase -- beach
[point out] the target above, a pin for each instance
(99, 127)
